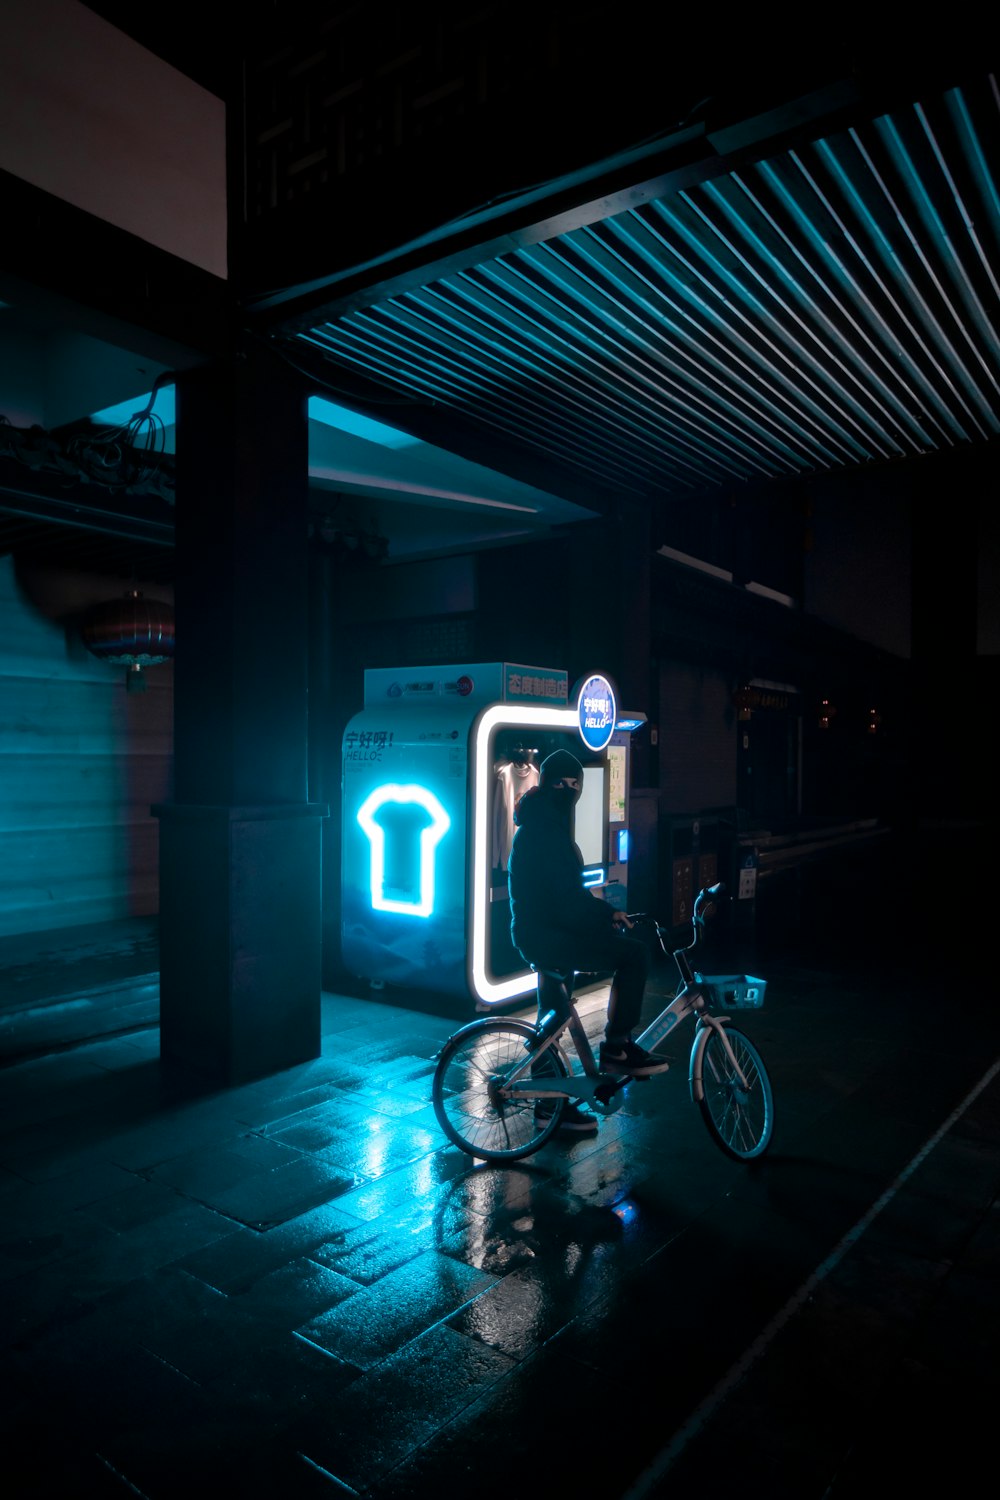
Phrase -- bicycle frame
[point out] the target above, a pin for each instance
(596, 1089)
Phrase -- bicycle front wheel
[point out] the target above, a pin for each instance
(739, 1112)
(467, 1091)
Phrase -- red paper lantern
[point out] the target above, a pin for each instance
(132, 632)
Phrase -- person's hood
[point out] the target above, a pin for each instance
(534, 808)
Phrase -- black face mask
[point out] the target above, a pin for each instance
(565, 797)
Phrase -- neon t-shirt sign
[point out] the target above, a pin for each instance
(419, 855)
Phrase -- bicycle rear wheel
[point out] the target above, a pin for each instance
(739, 1118)
(466, 1091)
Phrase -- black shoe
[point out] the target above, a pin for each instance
(628, 1057)
(573, 1121)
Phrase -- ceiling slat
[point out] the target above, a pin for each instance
(834, 305)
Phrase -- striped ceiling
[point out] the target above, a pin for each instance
(830, 305)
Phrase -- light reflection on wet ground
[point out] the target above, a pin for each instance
(298, 1285)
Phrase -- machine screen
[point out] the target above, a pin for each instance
(591, 817)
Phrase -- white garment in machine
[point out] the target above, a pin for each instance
(513, 778)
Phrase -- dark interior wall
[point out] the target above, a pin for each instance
(512, 603)
(83, 761)
(527, 604)
(858, 562)
(956, 606)
(697, 738)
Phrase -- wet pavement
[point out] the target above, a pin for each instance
(298, 1287)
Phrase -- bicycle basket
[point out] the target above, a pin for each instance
(734, 991)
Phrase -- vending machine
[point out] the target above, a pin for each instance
(433, 765)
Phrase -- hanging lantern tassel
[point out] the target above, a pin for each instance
(131, 632)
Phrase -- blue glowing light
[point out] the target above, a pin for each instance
(412, 796)
(596, 711)
(523, 716)
(352, 422)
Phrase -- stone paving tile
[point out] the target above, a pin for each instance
(405, 1103)
(295, 1293)
(48, 1471)
(948, 1194)
(399, 1075)
(412, 1179)
(541, 1422)
(280, 1378)
(236, 1261)
(201, 1332)
(120, 1258)
(363, 1149)
(38, 1085)
(981, 1256)
(48, 1241)
(370, 1251)
(143, 1147)
(81, 1115)
(266, 1096)
(268, 1198)
(37, 1300)
(168, 1358)
(187, 1326)
(529, 1306)
(126, 1052)
(826, 1372)
(403, 1304)
(318, 1125)
(99, 1387)
(266, 1112)
(414, 1391)
(137, 1204)
(27, 1204)
(214, 1451)
(207, 1171)
(46, 1163)
(962, 1331)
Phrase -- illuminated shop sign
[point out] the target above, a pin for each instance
(595, 708)
(535, 685)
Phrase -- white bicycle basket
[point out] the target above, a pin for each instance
(734, 991)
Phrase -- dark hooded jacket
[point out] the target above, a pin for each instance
(545, 877)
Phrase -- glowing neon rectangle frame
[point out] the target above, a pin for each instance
(501, 715)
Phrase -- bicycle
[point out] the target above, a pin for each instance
(490, 1073)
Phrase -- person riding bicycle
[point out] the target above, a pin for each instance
(557, 924)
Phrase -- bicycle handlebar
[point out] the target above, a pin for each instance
(705, 896)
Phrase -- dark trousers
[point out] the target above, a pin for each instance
(625, 957)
